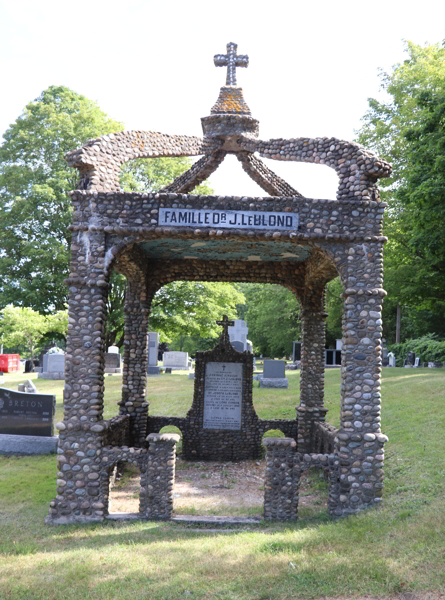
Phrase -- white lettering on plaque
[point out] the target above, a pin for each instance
(229, 219)
(223, 390)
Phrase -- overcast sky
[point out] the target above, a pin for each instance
(150, 64)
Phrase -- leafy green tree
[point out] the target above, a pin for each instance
(272, 317)
(184, 309)
(35, 207)
(408, 130)
(22, 327)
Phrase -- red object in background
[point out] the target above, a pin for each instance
(9, 363)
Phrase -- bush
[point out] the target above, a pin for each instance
(427, 347)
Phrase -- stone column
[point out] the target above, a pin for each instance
(157, 486)
(84, 357)
(312, 369)
(360, 445)
(282, 480)
(134, 382)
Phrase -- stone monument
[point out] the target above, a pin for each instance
(175, 234)
(53, 365)
(26, 423)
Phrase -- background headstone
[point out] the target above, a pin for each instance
(391, 359)
(26, 414)
(176, 360)
(53, 366)
(296, 351)
(273, 374)
(113, 363)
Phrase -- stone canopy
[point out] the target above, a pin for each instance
(282, 238)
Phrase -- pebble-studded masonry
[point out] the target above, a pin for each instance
(335, 237)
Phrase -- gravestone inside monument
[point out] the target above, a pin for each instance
(223, 388)
(176, 360)
(26, 414)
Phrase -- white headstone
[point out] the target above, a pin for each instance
(113, 350)
(392, 359)
(238, 333)
(176, 360)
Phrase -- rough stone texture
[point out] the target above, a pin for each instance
(283, 472)
(276, 382)
(116, 230)
(27, 445)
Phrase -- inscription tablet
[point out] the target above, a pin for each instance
(223, 389)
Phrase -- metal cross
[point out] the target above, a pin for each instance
(225, 324)
(231, 61)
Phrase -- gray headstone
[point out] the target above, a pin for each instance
(55, 363)
(274, 369)
(112, 360)
(26, 414)
(239, 346)
(153, 345)
(275, 382)
(223, 391)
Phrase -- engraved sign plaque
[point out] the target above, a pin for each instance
(223, 390)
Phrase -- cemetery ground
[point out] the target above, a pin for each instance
(396, 550)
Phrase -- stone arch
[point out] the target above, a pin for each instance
(99, 161)
(358, 169)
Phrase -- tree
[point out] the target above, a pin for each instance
(34, 183)
(408, 130)
(36, 211)
(273, 318)
(184, 309)
(22, 327)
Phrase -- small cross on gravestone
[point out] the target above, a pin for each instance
(231, 61)
(225, 324)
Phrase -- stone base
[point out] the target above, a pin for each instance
(153, 371)
(72, 520)
(178, 368)
(27, 445)
(276, 382)
(117, 371)
(191, 376)
(50, 375)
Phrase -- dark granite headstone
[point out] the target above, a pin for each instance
(332, 357)
(274, 369)
(296, 351)
(411, 358)
(26, 414)
(112, 360)
(238, 346)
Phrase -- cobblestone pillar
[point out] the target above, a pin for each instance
(312, 371)
(360, 441)
(134, 382)
(282, 480)
(157, 493)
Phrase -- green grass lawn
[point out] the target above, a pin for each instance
(395, 549)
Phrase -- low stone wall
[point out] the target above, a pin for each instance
(323, 438)
(118, 431)
(282, 481)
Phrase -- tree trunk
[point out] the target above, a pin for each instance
(398, 325)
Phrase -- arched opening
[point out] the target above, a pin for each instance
(313, 494)
(124, 488)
